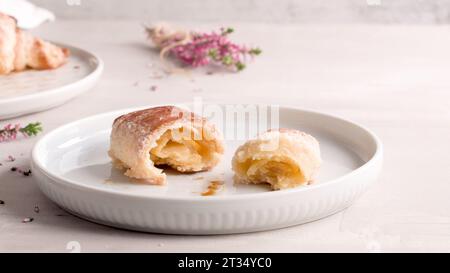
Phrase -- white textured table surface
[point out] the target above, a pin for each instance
(392, 79)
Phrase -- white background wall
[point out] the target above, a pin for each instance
(271, 11)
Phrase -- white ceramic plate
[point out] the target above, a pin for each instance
(73, 169)
(33, 91)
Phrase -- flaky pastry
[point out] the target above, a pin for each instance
(19, 50)
(167, 135)
(283, 158)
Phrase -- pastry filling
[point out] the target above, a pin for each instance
(181, 152)
(277, 172)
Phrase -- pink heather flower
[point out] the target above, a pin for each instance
(10, 132)
(197, 49)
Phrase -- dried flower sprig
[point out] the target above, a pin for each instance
(197, 49)
(10, 132)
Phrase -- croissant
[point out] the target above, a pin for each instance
(283, 158)
(167, 135)
(20, 50)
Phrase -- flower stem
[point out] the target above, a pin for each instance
(9, 132)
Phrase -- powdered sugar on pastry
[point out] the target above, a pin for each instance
(283, 158)
(166, 135)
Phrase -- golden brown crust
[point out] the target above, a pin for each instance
(135, 135)
(44, 55)
(151, 119)
(19, 50)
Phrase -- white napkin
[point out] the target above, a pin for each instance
(28, 15)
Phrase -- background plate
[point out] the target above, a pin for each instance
(73, 169)
(32, 91)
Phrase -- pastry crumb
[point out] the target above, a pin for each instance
(213, 187)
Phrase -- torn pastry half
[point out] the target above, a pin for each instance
(20, 50)
(283, 158)
(143, 142)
